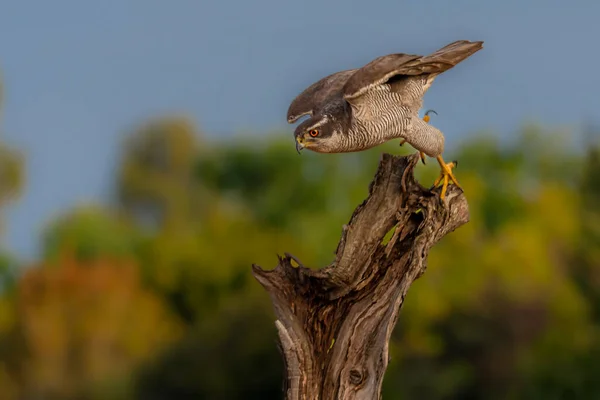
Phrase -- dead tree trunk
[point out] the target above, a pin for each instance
(334, 324)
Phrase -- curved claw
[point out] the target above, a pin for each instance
(426, 117)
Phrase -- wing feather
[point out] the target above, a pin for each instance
(313, 97)
(382, 69)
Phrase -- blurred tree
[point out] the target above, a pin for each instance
(11, 171)
(8, 274)
(197, 271)
(232, 355)
(90, 233)
(8, 348)
(269, 179)
(11, 177)
(589, 254)
(155, 183)
(580, 371)
(85, 327)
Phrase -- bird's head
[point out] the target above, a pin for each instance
(320, 133)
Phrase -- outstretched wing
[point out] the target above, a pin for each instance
(382, 69)
(317, 94)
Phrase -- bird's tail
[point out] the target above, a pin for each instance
(449, 56)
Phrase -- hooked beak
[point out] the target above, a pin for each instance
(299, 145)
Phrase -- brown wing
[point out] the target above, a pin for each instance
(382, 69)
(316, 94)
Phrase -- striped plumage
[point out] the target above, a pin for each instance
(358, 109)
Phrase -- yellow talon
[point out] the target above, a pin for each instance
(446, 176)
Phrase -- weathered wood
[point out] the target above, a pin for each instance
(335, 324)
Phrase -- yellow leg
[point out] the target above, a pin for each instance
(446, 175)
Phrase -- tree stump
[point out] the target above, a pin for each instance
(335, 324)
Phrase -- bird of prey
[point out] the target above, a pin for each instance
(354, 110)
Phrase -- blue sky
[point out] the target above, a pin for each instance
(79, 75)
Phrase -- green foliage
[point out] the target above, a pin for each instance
(11, 173)
(231, 355)
(8, 274)
(509, 307)
(90, 233)
(155, 182)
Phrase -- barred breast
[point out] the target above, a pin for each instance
(391, 111)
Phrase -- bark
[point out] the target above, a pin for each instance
(335, 324)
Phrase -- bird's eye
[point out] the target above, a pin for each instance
(313, 133)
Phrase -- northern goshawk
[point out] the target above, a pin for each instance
(357, 109)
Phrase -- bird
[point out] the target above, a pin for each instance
(357, 109)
